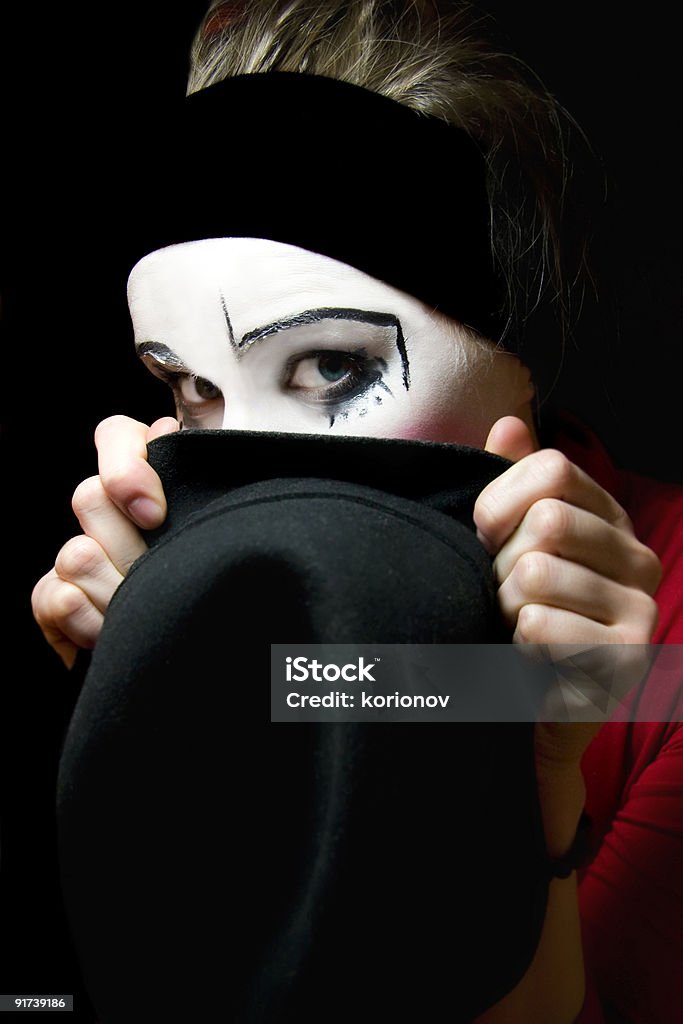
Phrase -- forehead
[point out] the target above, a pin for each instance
(258, 280)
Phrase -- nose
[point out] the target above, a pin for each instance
(241, 416)
(258, 408)
(251, 409)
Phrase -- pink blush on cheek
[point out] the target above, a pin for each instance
(415, 432)
(435, 429)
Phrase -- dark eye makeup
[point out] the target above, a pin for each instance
(345, 376)
(349, 374)
(196, 398)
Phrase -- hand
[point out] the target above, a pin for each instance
(69, 602)
(570, 570)
(569, 566)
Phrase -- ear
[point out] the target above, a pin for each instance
(514, 436)
(526, 386)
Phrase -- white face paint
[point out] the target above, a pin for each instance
(253, 334)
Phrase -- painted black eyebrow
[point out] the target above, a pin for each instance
(161, 354)
(314, 316)
(228, 323)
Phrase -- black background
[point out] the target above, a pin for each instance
(76, 82)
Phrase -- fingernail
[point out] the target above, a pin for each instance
(146, 513)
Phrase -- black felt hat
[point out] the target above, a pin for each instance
(218, 866)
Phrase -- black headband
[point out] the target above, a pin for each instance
(332, 168)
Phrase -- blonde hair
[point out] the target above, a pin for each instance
(442, 64)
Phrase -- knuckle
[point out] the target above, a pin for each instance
(65, 602)
(648, 567)
(88, 495)
(623, 520)
(38, 597)
(487, 510)
(117, 484)
(531, 624)
(550, 518)
(555, 466)
(650, 614)
(642, 622)
(80, 556)
(533, 573)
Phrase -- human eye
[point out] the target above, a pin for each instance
(332, 377)
(199, 403)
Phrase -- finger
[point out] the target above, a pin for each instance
(537, 623)
(585, 681)
(542, 579)
(548, 473)
(65, 614)
(102, 521)
(128, 479)
(65, 648)
(165, 425)
(83, 562)
(510, 438)
(557, 528)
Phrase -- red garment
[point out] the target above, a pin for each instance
(631, 895)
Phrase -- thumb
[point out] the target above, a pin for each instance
(510, 438)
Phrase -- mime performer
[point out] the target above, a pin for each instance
(412, 326)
